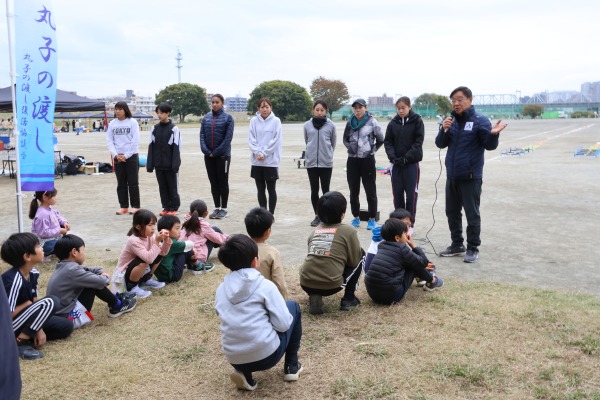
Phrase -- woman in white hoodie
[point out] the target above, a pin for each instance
(264, 139)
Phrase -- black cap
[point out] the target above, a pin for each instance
(362, 102)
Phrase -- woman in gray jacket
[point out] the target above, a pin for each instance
(320, 138)
(362, 137)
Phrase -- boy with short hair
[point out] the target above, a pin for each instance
(257, 325)
(33, 319)
(77, 286)
(335, 258)
(258, 225)
(397, 262)
(400, 214)
(164, 155)
(181, 253)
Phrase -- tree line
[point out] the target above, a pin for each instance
(291, 102)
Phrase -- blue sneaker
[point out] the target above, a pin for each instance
(356, 222)
(371, 224)
(437, 282)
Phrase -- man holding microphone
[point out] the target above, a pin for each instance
(466, 134)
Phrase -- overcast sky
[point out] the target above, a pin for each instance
(375, 47)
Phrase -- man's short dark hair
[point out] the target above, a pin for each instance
(167, 222)
(331, 206)
(400, 213)
(391, 228)
(164, 107)
(16, 246)
(258, 221)
(237, 252)
(65, 244)
(465, 90)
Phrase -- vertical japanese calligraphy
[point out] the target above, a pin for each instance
(36, 63)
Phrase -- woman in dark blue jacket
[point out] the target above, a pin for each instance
(404, 147)
(216, 132)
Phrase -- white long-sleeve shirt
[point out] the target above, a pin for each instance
(123, 137)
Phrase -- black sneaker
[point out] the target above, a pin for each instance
(347, 305)
(471, 255)
(453, 250)
(213, 215)
(315, 221)
(315, 304)
(27, 352)
(240, 381)
(291, 373)
(125, 295)
(126, 306)
(222, 214)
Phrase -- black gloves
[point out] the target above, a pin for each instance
(400, 161)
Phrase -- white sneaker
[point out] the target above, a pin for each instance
(139, 292)
(152, 284)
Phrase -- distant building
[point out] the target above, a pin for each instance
(144, 104)
(236, 103)
(129, 93)
(591, 90)
(209, 97)
(381, 100)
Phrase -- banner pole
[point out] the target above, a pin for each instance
(9, 17)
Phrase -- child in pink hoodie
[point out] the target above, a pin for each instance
(204, 236)
(141, 256)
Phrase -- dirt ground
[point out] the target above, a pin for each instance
(540, 224)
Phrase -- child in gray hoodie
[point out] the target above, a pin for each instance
(257, 325)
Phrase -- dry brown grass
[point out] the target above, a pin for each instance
(466, 341)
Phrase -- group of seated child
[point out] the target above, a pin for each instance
(258, 326)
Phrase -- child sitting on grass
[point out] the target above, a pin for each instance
(33, 319)
(257, 325)
(47, 223)
(204, 236)
(180, 254)
(400, 214)
(77, 286)
(142, 253)
(258, 225)
(397, 262)
(335, 258)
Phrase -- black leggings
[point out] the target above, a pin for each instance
(217, 169)
(146, 277)
(314, 175)
(261, 185)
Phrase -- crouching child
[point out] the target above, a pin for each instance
(397, 263)
(77, 286)
(257, 325)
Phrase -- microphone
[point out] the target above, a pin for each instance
(452, 119)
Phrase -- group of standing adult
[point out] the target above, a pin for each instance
(466, 133)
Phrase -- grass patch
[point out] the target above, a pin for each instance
(353, 388)
(482, 340)
(188, 355)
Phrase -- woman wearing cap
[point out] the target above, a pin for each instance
(362, 138)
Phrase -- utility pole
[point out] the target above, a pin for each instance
(179, 66)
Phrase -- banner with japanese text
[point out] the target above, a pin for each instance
(36, 65)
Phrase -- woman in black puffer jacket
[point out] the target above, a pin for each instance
(404, 147)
